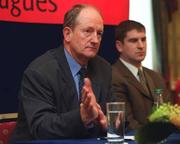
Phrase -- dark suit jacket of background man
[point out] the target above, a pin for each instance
(50, 108)
(127, 88)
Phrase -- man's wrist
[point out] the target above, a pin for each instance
(89, 125)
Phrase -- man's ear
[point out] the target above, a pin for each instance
(119, 45)
(67, 33)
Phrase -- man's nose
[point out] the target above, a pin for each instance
(141, 44)
(95, 37)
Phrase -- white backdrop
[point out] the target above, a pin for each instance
(141, 11)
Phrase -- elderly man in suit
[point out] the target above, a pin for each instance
(132, 82)
(52, 104)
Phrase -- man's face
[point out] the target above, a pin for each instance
(84, 39)
(133, 50)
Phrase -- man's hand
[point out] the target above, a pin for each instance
(90, 110)
(102, 120)
(88, 106)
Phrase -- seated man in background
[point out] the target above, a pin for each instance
(132, 82)
(52, 104)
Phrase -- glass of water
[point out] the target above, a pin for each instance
(116, 121)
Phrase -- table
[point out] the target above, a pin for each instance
(172, 139)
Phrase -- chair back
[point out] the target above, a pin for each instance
(7, 125)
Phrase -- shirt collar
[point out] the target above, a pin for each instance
(132, 68)
(74, 66)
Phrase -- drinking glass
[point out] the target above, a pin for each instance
(116, 121)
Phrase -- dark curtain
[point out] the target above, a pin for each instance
(162, 12)
(20, 43)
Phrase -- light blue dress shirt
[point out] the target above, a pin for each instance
(74, 67)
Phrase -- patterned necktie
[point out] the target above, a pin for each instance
(142, 80)
(82, 75)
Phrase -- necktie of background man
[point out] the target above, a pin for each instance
(142, 80)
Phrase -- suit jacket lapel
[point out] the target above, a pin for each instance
(131, 79)
(69, 81)
(93, 77)
(150, 83)
(71, 97)
(96, 89)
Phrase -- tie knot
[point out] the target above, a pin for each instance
(140, 72)
(142, 80)
(141, 75)
(83, 72)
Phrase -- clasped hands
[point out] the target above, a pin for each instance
(90, 110)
